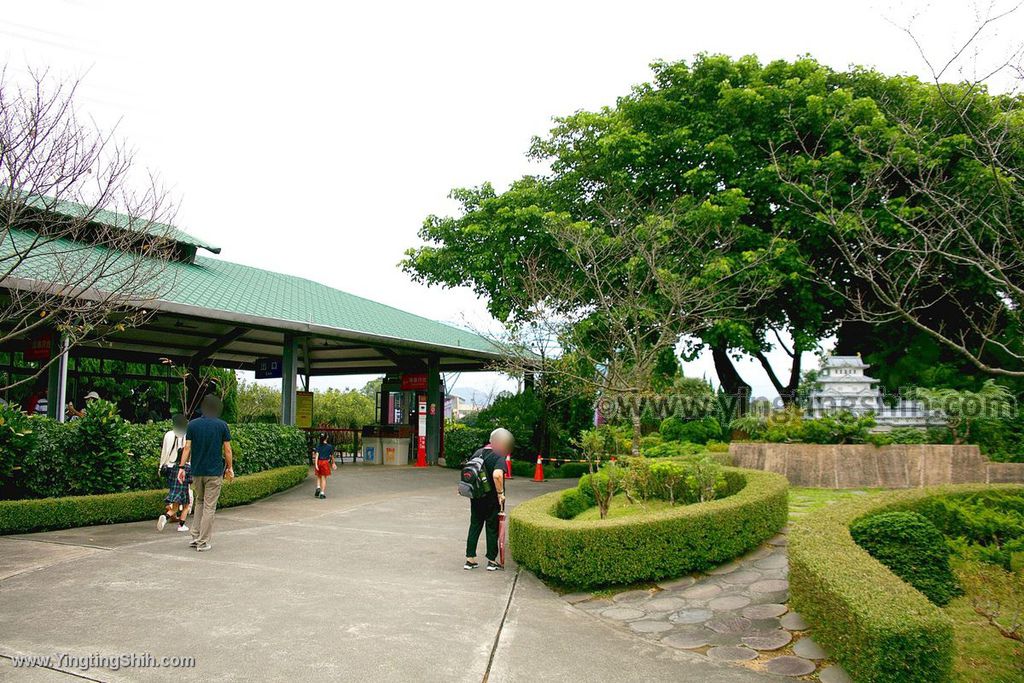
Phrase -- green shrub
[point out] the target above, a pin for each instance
(650, 441)
(899, 435)
(104, 462)
(672, 449)
(570, 504)
(912, 548)
(257, 447)
(695, 431)
(461, 441)
(876, 625)
(16, 438)
(521, 468)
(838, 428)
(41, 514)
(568, 470)
(650, 547)
(717, 447)
(987, 526)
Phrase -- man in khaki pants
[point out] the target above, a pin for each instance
(208, 447)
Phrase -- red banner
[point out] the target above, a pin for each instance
(414, 381)
(38, 348)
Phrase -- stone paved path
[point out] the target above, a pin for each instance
(737, 613)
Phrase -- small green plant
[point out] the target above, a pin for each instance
(838, 427)
(912, 548)
(965, 410)
(103, 450)
(16, 439)
(997, 595)
(695, 431)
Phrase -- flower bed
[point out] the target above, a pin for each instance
(659, 545)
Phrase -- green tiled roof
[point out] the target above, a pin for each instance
(219, 286)
(116, 220)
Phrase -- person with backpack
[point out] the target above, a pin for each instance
(483, 482)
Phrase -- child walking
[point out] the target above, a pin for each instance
(324, 464)
(178, 498)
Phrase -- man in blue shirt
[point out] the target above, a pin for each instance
(208, 447)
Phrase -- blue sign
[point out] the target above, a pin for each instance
(369, 453)
(269, 368)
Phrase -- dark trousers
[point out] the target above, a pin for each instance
(481, 516)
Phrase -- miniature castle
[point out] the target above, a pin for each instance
(842, 385)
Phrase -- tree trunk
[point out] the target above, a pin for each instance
(636, 432)
(737, 391)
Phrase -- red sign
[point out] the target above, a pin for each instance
(38, 348)
(414, 381)
(421, 434)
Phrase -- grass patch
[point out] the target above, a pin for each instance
(981, 654)
(803, 500)
(621, 507)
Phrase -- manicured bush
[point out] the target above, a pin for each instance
(571, 503)
(912, 548)
(717, 447)
(40, 514)
(460, 442)
(257, 447)
(986, 526)
(876, 625)
(16, 437)
(837, 427)
(568, 470)
(672, 449)
(669, 543)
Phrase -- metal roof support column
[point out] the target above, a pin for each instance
(289, 378)
(435, 409)
(57, 385)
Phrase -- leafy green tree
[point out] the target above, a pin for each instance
(342, 409)
(258, 403)
(965, 410)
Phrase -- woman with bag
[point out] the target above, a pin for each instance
(179, 496)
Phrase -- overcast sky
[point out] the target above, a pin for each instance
(312, 138)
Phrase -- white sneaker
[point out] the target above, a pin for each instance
(161, 523)
(182, 527)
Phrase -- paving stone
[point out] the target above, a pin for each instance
(722, 639)
(622, 613)
(701, 591)
(573, 598)
(774, 561)
(778, 541)
(732, 653)
(765, 624)
(770, 586)
(794, 622)
(758, 554)
(682, 582)
(728, 624)
(691, 616)
(784, 529)
(834, 674)
(663, 605)
(729, 602)
(725, 568)
(631, 596)
(595, 605)
(764, 611)
(808, 649)
(790, 666)
(650, 626)
(768, 640)
(742, 578)
(687, 640)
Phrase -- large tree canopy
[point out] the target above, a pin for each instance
(716, 134)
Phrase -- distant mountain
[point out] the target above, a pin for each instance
(477, 397)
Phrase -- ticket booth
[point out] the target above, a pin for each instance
(400, 431)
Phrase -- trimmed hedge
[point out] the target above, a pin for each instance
(42, 514)
(878, 627)
(665, 544)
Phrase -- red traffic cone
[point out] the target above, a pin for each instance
(538, 472)
(508, 466)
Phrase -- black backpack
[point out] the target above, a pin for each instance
(474, 482)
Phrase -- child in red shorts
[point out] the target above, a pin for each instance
(324, 453)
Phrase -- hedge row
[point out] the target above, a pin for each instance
(665, 544)
(878, 627)
(42, 514)
(55, 464)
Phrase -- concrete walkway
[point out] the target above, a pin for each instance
(367, 585)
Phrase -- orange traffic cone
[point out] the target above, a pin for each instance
(508, 466)
(538, 472)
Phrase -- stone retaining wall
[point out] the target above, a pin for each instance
(865, 465)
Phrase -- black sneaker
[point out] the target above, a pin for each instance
(493, 566)
(470, 565)
(323, 495)
(316, 494)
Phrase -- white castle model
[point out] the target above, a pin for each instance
(842, 385)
